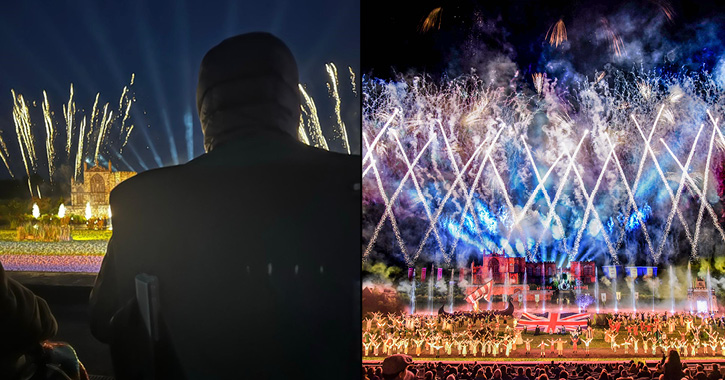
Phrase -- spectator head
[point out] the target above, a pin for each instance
(564, 375)
(255, 69)
(520, 371)
(396, 367)
(497, 374)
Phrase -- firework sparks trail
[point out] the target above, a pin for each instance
(438, 213)
(377, 138)
(590, 207)
(418, 190)
(539, 79)
(637, 178)
(648, 148)
(666, 8)
(704, 191)
(677, 195)
(557, 33)
(389, 207)
(352, 81)
(69, 111)
(467, 112)
(301, 134)
(393, 222)
(469, 197)
(632, 202)
(332, 87)
(318, 139)
(540, 186)
(4, 155)
(700, 194)
(456, 172)
(557, 196)
(433, 20)
(21, 118)
(49, 136)
(94, 112)
(103, 130)
(79, 154)
(615, 42)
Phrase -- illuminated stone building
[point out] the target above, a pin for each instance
(95, 188)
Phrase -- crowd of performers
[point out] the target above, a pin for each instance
(488, 335)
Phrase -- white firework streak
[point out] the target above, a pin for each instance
(445, 199)
(632, 203)
(417, 187)
(679, 193)
(377, 138)
(648, 147)
(704, 191)
(590, 207)
(365, 172)
(699, 194)
(463, 187)
(472, 190)
(389, 203)
(639, 173)
(552, 209)
(541, 187)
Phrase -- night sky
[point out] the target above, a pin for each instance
(98, 45)
(393, 43)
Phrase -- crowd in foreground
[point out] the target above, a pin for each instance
(487, 335)
(402, 367)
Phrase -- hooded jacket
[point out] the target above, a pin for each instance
(255, 244)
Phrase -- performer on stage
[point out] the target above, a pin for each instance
(574, 341)
(586, 344)
(560, 347)
(527, 342)
(543, 349)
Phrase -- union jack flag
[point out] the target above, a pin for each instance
(483, 291)
(552, 322)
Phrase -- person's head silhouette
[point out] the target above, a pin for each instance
(247, 82)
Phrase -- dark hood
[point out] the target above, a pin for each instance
(247, 82)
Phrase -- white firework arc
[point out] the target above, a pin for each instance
(590, 206)
(389, 204)
(472, 190)
(394, 223)
(677, 195)
(648, 148)
(642, 161)
(557, 196)
(632, 203)
(700, 194)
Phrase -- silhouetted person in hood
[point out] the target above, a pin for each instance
(256, 244)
